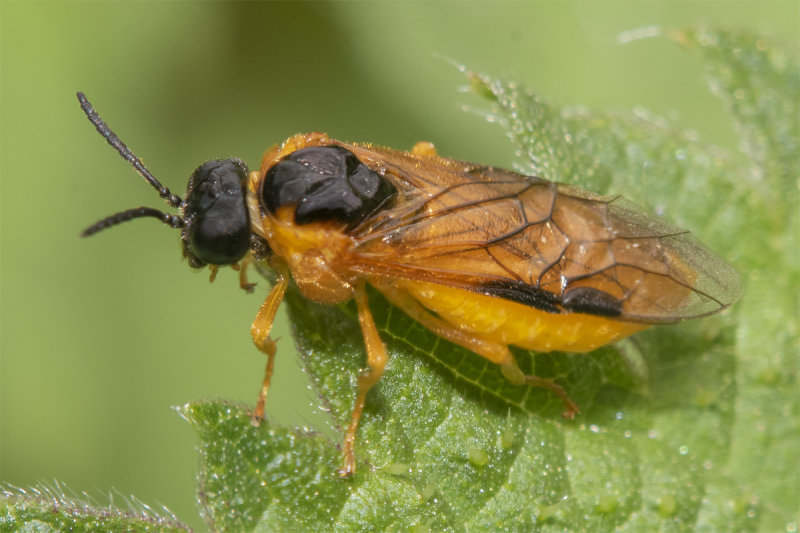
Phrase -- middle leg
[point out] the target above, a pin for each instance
(376, 361)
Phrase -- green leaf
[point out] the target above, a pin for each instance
(759, 83)
(45, 509)
(675, 423)
(285, 479)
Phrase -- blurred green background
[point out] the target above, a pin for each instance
(100, 337)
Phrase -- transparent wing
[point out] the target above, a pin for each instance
(526, 239)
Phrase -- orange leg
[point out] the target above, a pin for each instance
(493, 351)
(244, 283)
(260, 332)
(213, 269)
(241, 268)
(376, 360)
(513, 374)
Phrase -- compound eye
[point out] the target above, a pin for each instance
(217, 229)
(325, 183)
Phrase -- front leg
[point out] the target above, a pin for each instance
(242, 267)
(262, 325)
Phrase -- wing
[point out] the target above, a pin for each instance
(548, 245)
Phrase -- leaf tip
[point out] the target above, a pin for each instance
(480, 84)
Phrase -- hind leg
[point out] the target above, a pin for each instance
(493, 351)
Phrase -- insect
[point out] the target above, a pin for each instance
(481, 256)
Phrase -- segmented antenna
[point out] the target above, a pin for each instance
(111, 138)
(173, 221)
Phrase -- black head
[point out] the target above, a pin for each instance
(214, 219)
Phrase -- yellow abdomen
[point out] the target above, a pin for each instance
(505, 322)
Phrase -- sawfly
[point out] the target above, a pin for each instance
(481, 256)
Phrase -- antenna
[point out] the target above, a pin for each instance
(137, 212)
(111, 138)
